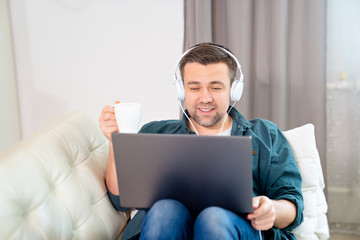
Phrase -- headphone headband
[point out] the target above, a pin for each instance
(236, 87)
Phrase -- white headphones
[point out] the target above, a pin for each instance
(236, 87)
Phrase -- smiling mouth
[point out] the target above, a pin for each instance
(206, 109)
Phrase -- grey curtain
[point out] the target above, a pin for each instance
(301, 64)
(281, 47)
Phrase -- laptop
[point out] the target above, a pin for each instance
(198, 171)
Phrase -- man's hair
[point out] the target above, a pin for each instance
(209, 53)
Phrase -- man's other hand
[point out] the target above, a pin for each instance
(263, 216)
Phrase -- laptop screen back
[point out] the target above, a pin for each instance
(199, 171)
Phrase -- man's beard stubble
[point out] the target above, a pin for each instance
(216, 119)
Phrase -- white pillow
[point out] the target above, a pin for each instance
(303, 145)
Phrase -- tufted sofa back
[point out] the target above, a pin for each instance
(52, 185)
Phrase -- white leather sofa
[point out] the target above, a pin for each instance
(52, 185)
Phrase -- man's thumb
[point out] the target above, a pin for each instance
(256, 202)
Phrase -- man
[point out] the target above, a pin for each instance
(208, 74)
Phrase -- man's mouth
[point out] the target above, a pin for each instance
(206, 109)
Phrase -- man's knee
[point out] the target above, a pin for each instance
(167, 208)
(212, 223)
(219, 223)
(213, 217)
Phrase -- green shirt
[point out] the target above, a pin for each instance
(275, 172)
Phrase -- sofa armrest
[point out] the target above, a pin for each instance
(52, 185)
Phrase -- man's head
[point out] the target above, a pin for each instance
(208, 53)
(208, 71)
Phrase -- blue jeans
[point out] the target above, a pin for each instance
(170, 219)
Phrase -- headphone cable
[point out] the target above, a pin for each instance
(232, 106)
(188, 118)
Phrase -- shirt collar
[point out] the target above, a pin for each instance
(239, 122)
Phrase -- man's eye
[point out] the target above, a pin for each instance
(194, 89)
(216, 88)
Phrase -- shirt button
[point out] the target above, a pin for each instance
(254, 153)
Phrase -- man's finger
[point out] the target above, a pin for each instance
(108, 116)
(265, 225)
(107, 109)
(255, 202)
(261, 206)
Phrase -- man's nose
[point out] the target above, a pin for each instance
(205, 96)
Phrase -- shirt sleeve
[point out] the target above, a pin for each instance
(284, 176)
(115, 200)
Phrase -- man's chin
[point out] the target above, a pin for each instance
(206, 122)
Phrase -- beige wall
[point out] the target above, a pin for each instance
(83, 54)
(9, 120)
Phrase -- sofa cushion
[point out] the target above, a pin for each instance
(52, 185)
(302, 142)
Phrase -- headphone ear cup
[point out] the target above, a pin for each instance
(236, 90)
(180, 90)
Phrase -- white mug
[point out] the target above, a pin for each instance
(128, 117)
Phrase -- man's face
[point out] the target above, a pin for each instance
(207, 92)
